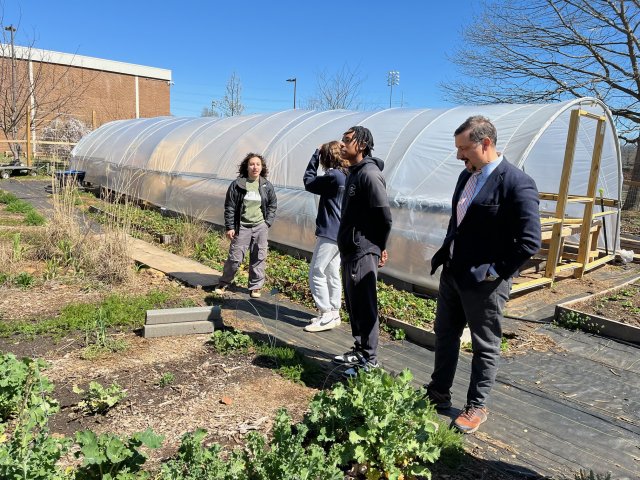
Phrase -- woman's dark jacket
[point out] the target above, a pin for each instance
(330, 187)
(235, 198)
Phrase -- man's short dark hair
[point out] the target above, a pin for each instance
(363, 137)
(481, 128)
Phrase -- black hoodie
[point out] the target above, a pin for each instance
(366, 216)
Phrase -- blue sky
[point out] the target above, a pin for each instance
(264, 42)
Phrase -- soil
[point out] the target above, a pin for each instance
(620, 304)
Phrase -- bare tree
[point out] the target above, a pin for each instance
(549, 50)
(209, 111)
(337, 91)
(231, 103)
(30, 84)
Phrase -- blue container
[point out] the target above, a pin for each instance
(70, 177)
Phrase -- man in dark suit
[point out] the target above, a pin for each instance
(494, 228)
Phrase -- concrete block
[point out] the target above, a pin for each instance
(182, 315)
(174, 329)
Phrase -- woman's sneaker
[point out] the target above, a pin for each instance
(326, 321)
(220, 288)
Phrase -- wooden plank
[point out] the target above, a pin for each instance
(584, 246)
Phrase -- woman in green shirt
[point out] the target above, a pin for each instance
(249, 210)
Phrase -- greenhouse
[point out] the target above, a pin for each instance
(186, 164)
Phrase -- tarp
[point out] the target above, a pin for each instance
(186, 164)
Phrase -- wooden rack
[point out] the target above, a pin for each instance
(557, 226)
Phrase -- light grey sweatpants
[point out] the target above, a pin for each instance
(254, 239)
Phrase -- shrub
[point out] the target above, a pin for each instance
(378, 421)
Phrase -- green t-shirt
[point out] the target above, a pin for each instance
(251, 213)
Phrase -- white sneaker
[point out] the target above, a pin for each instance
(326, 321)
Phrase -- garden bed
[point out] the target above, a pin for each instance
(613, 313)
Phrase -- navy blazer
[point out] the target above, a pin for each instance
(501, 227)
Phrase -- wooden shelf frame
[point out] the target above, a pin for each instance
(557, 226)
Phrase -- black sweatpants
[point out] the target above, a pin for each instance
(359, 279)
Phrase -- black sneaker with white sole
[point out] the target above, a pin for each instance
(365, 366)
(352, 357)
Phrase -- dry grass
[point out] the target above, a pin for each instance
(192, 232)
(69, 243)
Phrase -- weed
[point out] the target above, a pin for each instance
(98, 399)
(24, 280)
(166, 379)
(395, 333)
(573, 320)
(230, 341)
(51, 268)
(19, 206)
(117, 310)
(34, 219)
(466, 346)
(289, 363)
(17, 248)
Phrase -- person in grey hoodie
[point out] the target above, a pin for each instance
(324, 269)
(362, 239)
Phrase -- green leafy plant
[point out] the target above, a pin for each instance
(24, 280)
(394, 333)
(23, 386)
(196, 462)
(572, 320)
(108, 457)
(166, 379)
(287, 457)
(378, 421)
(34, 219)
(27, 451)
(98, 399)
(230, 341)
(289, 363)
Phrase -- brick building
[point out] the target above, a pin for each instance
(93, 90)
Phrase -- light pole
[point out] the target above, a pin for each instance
(393, 78)
(12, 30)
(295, 82)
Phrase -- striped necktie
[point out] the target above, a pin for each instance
(467, 195)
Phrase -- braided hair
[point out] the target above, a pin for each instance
(363, 137)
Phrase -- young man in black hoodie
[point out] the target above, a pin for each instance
(362, 238)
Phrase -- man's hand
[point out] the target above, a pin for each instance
(383, 259)
(230, 234)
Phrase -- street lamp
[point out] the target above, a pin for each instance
(12, 30)
(295, 82)
(393, 78)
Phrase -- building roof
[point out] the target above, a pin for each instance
(81, 61)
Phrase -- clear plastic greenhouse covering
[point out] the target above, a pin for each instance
(186, 164)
